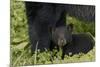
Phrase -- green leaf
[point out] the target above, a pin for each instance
(21, 46)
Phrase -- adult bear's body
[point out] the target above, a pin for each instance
(43, 17)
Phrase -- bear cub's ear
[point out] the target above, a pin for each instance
(70, 27)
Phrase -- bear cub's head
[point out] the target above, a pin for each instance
(62, 35)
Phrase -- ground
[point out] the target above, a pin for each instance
(20, 45)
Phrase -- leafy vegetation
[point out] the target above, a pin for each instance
(81, 26)
(20, 45)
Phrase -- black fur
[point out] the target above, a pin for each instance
(43, 17)
(81, 43)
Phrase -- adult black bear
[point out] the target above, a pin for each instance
(43, 17)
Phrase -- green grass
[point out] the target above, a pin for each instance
(81, 26)
(20, 45)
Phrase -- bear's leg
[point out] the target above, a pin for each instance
(63, 53)
(32, 36)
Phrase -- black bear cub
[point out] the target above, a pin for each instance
(61, 36)
(71, 43)
(81, 43)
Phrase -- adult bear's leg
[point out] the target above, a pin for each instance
(39, 36)
(39, 17)
(33, 37)
(43, 36)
